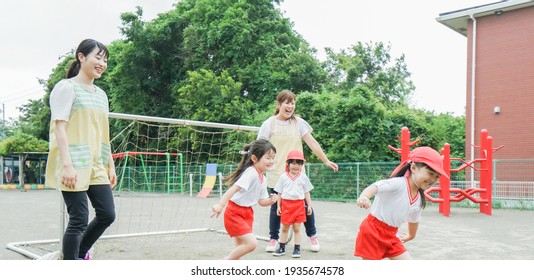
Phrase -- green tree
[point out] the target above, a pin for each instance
(370, 64)
(35, 117)
(212, 98)
(20, 142)
(251, 40)
(143, 68)
(225, 61)
(348, 125)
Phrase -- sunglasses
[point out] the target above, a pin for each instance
(295, 161)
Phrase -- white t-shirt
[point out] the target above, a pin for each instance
(265, 128)
(293, 188)
(61, 100)
(253, 187)
(393, 204)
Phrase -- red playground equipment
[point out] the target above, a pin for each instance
(444, 189)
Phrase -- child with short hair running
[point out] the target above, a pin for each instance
(248, 188)
(399, 199)
(294, 189)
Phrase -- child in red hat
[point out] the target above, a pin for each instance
(397, 200)
(293, 188)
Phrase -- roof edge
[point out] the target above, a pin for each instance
(457, 20)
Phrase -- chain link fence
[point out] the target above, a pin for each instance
(513, 183)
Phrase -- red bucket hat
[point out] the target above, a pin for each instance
(295, 154)
(427, 156)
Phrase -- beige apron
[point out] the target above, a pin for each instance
(89, 146)
(285, 137)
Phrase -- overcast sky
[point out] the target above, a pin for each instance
(35, 33)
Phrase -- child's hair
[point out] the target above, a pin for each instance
(402, 171)
(257, 148)
(421, 157)
(85, 47)
(283, 96)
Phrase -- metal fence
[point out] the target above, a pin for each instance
(352, 178)
(513, 183)
(513, 180)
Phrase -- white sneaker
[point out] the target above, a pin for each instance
(271, 246)
(314, 244)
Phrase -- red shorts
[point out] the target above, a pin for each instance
(293, 211)
(377, 240)
(238, 219)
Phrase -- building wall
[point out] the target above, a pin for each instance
(504, 78)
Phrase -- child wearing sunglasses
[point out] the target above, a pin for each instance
(294, 201)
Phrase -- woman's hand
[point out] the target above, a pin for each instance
(332, 165)
(112, 177)
(68, 178)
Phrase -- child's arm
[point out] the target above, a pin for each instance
(217, 208)
(412, 230)
(273, 198)
(279, 205)
(364, 201)
(308, 202)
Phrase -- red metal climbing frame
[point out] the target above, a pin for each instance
(444, 189)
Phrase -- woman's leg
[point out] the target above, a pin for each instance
(311, 230)
(274, 221)
(101, 198)
(244, 244)
(76, 203)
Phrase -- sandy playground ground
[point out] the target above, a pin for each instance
(465, 235)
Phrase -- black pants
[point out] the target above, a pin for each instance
(80, 236)
(274, 222)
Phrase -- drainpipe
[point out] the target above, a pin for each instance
(473, 66)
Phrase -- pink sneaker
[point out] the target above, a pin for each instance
(87, 257)
(271, 246)
(314, 244)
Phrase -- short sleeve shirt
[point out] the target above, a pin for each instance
(253, 187)
(393, 203)
(61, 101)
(293, 188)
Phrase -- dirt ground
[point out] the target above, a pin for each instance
(466, 234)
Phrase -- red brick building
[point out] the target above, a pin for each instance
(500, 75)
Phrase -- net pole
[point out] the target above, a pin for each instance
(147, 181)
(181, 122)
(124, 169)
(181, 172)
(168, 156)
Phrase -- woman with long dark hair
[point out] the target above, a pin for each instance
(79, 161)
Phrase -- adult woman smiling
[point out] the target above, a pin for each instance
(287, 132)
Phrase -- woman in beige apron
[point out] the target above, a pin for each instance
(287, 131)
(79, 161)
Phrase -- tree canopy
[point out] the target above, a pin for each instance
(225, 61)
